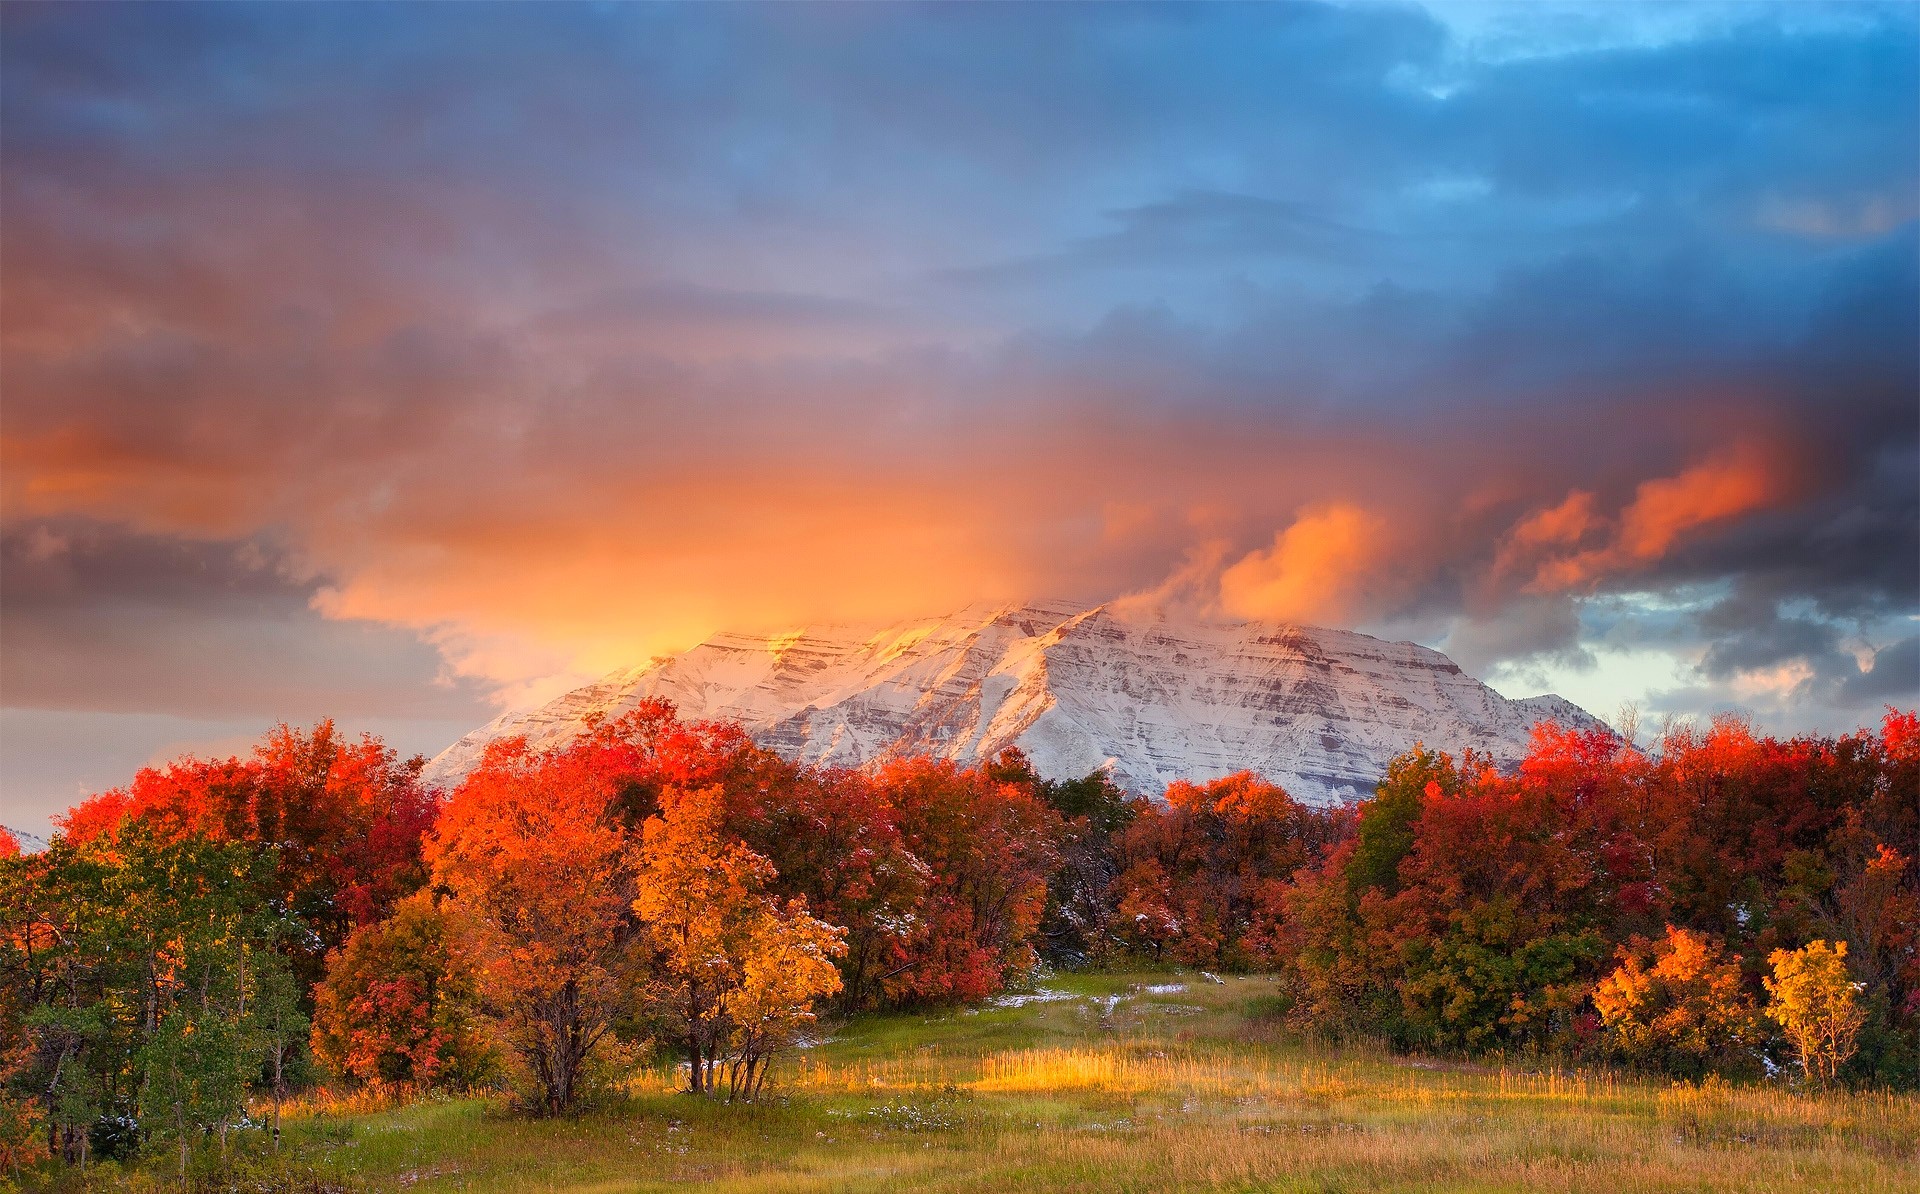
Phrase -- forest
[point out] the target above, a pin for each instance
(221, 938)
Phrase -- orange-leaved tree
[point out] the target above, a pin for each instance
(535, 859)
(735, 970)
(1816, 1005)
(1686, 1013)
(1202, 876)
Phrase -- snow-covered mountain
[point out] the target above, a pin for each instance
(1152, 697)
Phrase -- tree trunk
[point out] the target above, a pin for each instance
(279, 1089)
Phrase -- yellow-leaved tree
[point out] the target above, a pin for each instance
(735, 970)
(1816, 1004)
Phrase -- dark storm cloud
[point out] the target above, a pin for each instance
(100, 620)
(1747, 633)
(1893, 680)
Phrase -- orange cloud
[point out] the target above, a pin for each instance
(1193, 585)
(1327, 567)
(1663, 511)
(1567, 522)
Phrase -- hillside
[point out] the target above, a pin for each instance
(1150, 697)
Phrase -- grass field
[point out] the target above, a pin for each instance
(1136, 1083)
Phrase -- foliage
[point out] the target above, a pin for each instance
(668, 884)
(1201, 878)
(1814, 1001)
(534, 858)
(1688, 1013)
(397, 1005)
(735, 970)
(151, 985)
(988, 849)
(1384, 832)
(835, 839)
(338, 823)
(1476, 909)
(1093, 811)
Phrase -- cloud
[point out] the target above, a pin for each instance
(1664, 509)
(1191, 589)
(1320, 311)
(1333, 565)
(1893, 678)
(100, 620)
(1528, 634)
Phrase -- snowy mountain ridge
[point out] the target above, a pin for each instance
(1148, 696)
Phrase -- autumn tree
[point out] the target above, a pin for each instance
(735, 971)
(337, 821)
(535, 858)
(1092, 811)
(1815, 1003)
(396, 1006)
(1679, 1005)
(1384, 833)
(787, 966)
(834, 837)
(1202, 876)
(26, 941)
(989, 849)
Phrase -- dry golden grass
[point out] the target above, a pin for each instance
(1119, 1085)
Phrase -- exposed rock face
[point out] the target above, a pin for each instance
(1151, 698)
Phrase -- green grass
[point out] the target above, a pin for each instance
(1107, 1085)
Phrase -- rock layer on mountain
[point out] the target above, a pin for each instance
(1150, 697)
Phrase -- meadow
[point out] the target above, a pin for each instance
(1126, 1082)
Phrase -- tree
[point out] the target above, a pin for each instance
(834, 838)
(27, 945)
(1687, 1013)
(1495, 976)
(1385, 831)
(1202, 876)
(279, 1025)
(1094, 810)
(155, 962)
(1815, 1002)
(396, 1006)
(988, 847)
(535, 858)
(788, 964)
(736, 971)
(338, 822)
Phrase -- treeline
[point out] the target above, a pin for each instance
(1718, 904)
(220, 933)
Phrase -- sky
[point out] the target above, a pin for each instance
(402, 363)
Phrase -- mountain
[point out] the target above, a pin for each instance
(1152, 697)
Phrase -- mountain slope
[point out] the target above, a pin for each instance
(1155, 699)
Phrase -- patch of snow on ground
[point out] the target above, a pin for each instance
(1023, 998)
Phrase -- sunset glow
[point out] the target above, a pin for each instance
(403, 364)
